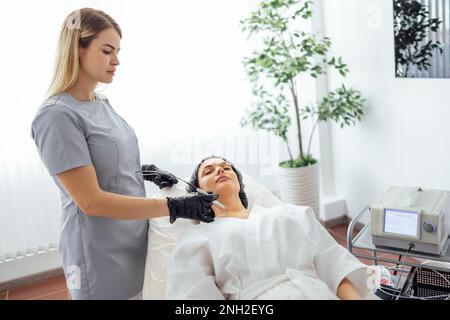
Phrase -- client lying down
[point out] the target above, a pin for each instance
(269, 253)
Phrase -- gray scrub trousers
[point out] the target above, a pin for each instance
(103, 258)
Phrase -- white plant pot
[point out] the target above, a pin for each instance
(301, 186)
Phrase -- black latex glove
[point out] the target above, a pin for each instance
(161, 178)
(194, 205)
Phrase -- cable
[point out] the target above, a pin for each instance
(388, 293)
(443, 277)
(399, 258)
(411, 245)
(411, 278)
(430, 262)
(441, 264)
(446, 296)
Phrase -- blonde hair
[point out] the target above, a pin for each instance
(78, 30)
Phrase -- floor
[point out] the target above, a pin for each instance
(56, 289)
(50, 289)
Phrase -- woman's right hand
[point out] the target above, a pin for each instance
(192, 206)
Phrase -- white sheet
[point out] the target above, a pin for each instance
(278, 253)
(162, 235)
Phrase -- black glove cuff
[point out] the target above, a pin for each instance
(172, 209)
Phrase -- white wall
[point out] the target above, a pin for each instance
(404, 138)
(181, 85)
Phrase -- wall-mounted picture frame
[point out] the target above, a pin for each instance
(422, 38)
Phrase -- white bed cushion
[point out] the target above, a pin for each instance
(162, 235)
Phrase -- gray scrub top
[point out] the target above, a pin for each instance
(103, 258)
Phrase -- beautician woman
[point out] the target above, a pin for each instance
(92, 155)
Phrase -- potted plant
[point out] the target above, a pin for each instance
(286, 54)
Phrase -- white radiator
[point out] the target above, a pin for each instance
(29, 204)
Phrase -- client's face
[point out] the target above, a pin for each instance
(217, 176)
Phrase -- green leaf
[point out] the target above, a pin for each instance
(285, 55)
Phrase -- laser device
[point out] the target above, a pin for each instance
(416, 216)
(215, 202)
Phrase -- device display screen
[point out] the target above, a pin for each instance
(401, 222)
